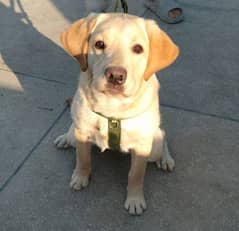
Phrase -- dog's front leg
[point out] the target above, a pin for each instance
(81, 174)
(135, 202)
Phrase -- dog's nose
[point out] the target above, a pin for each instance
(115, 75)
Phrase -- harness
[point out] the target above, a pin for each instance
(114, 132)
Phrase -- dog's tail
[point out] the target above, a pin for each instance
(68, 101)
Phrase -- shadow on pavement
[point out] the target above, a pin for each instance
(25, 50)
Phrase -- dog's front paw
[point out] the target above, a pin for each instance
(166, 163)
(78, 181)
(135, 205)
(61, 141)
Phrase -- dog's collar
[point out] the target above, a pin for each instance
(114, 131)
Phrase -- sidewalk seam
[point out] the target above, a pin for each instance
(200, 112)
(19, 167)
(33, 76)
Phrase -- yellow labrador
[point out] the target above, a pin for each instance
(118, 55)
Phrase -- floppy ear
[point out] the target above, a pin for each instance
(75, 40)
(162, 50)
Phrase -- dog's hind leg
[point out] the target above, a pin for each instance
(67, 139)
(166, 161)
(160, 152)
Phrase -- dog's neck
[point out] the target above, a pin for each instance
(123, 107)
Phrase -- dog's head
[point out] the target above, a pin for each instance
(119, 51)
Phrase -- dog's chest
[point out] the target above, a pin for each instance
(135, 132)
(100, 134)
(131, 133)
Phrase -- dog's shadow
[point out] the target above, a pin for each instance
(110, 166)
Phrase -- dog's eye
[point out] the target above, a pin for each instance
(138, 49)
(100, 45)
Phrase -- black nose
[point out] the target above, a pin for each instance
(115, 75)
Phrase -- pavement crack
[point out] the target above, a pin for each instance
(200, 112)
(27, 75)
(21, 164)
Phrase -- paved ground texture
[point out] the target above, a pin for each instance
(200, 110)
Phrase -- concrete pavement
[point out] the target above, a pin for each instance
(200, 112)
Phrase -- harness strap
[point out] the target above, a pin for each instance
(114, 133)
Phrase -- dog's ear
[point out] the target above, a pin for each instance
(162, 50)
(75, 40)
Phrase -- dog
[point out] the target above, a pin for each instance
(116, 104)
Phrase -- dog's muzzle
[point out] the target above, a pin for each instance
(115, 75)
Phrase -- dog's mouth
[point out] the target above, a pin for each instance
(113, 89)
